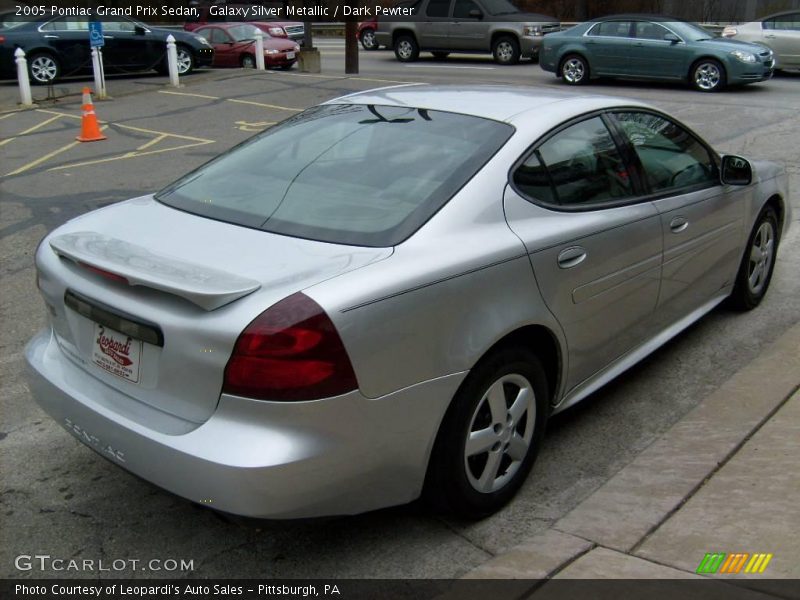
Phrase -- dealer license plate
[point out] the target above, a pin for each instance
(290, 55)
(117, 353)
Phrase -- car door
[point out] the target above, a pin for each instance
(435, 24)
(594, 246)
(69, 37)
(123, 48)
(654, 56)
(610, 44)
(782, 34)
(701, 220)
(224, 55)
(468, 32)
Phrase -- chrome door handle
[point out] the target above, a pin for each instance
(108, 37)
(50, 37)
(678, 224)
(571, 257)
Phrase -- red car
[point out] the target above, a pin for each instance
(366, 33)
(234, 46)
(292, 30)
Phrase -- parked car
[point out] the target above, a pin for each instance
(779, 32)
(310, 325)
(234, 46)
(60, 47)
(293, 30)
(473, 26)
(658, 48)
(366, 34)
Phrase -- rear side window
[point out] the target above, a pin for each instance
(437, 8)
(790, 22)
(671, 157)
(650, 31)
(612, 29)
(350, 174)
(577, 166)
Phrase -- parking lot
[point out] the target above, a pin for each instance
(61, 499)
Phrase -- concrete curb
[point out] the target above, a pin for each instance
(623, 513)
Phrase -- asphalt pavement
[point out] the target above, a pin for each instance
(59, 498)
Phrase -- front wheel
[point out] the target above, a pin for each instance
(708, 76)
(755, 271)
(185, 60)
(367, 39)
(506, 50)
(43, 69)
(490, 436)
(406, 48)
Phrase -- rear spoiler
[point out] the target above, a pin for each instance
(207, 288)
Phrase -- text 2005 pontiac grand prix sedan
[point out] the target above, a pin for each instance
(387, 295)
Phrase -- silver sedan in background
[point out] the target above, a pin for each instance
(396, 301)
(779, 32)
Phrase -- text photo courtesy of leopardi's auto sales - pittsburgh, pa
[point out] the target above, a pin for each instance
(404, 299)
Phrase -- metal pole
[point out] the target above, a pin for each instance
(22, 76)
(172, 61)
(350, 47)
(259, 50)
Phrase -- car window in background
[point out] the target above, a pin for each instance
(500, 7)
(119, 26)
(789, 22)
(672, 157)
(348, 174)
(583, 166)
(691, 31)
(66, 24)
(463, 8)
(612, 29)
(10, 20)
(217, 36)
(243, 32)
(650, 31)
(437, 8)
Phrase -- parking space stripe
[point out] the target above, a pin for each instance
(30, 130)
(42, 159)
(236, 100)
(188, 94)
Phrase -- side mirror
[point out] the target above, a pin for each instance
(736, 170)
(672, 38)
(475, 14)
(139, 30)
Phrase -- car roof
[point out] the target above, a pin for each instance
(778, 14)
(639, 17)
(497, 102)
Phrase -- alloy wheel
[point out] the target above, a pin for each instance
(368, 40)
(44, 69)
(184, 61)
(405, 50)
(762, 253)
(505, 52)
(500, 433)
(573, 70)
(707, 76)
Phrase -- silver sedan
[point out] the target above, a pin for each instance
(387, 295)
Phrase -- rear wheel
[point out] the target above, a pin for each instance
(185, 60)
(43, 68)
(367, 39)
(506, 50)
(758, 262)
(490, 436)
(575, 70)
(406, 48)
(248, 61)
(708, 75)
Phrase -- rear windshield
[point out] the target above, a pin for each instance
(350, 174)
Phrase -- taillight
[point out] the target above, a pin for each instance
(291, 351)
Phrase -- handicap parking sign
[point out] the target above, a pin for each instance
(96, 34)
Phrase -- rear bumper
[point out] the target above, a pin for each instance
(336, 456)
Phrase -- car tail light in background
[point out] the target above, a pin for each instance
(730, 31)
(291, 351)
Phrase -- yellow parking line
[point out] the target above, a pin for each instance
(265, 105)
(152, 142)
(188, 94)
(177, 135)
(42, 159)
(10, 113)
(30, 130)
(60, 114)
(133, 154)
(382, 80)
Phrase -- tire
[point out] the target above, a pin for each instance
(506, 50)
(248, 61)
(708, 75)
(476, 482)
(43, 68)
(367, 39)
(758, 263)
(406, 48)
(185, 60)
(574, 70)
(440, 55)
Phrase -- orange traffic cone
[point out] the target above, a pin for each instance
(90, 128)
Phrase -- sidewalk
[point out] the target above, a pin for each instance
(724, 479)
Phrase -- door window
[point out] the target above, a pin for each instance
(437, 8)
(463, 8)
(217, 36)
(650, 31)
(66, 24)
(671, 157)
(612, 29)
(577, 166)
(789, 22)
